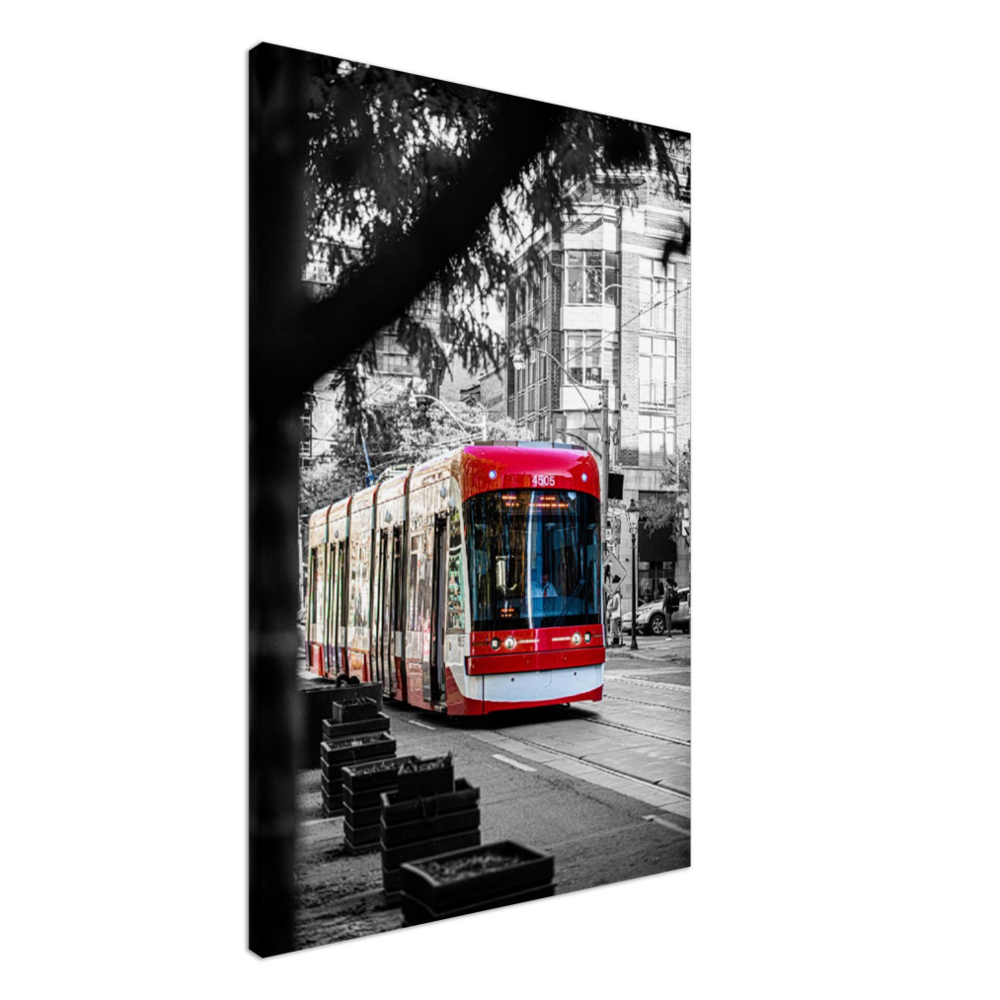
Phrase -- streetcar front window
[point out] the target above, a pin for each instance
(534, 558)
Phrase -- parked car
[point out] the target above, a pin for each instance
(652, 620)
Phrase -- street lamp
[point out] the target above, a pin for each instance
(632, 513)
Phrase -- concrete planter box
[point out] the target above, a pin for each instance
(357, 749)
(372, 779)
(317, 697)
(424, 830)
(335, 756)
(360, 840)
(355, 709)
(363, 817)
(336, 731)
(331, 786)
(395, 811)
(428, 819)
(362, 810)
(476, 878)
(351, 692)
(415, 912)
(420, 778)
(394, 857)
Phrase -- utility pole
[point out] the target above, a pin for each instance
(632, 513)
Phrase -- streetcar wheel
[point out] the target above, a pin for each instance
(658, 624)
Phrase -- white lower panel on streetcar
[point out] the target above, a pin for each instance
(542, 685)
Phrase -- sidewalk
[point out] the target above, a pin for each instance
(653, 648)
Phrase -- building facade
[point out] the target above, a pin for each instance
(599, 331)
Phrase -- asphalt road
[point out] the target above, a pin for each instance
(604, 787)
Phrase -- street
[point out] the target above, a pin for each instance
(604, 787)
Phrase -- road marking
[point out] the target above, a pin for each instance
(514, 763)
(668, 824)
(423, 725)
(325, 819)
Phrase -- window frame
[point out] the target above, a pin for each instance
(606, 342)
(667, 397)
(668, 429)
(609, 269)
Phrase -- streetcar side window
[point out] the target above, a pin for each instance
(330, 587)
(362, 583)
(416, 541)
(456, 574)
(425, 570)
(312, 586)
(316, 603)
(353, 610)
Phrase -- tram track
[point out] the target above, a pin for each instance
(647, 704)
(640, 732)
(642, 682)
(604, 768)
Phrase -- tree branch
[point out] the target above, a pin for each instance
(319, 334)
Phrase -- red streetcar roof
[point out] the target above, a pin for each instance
(527, 466)
(516, 465)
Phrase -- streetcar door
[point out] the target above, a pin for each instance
(398, 597)
(336, 614)
(328, 626)
(385, 608)
(378, 608)
(434, 669)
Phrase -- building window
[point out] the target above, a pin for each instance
(583, 357)
(658, 371)
(591, 357)
(527, 294)
(609, 193)
(591, 277)
(657, 295)
(656, 438)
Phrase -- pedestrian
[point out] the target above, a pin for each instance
(669, 604)
(615, 610)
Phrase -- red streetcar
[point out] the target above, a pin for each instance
(466, 585)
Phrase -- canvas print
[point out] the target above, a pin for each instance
(470, 517)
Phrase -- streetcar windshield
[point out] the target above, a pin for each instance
(534, 558)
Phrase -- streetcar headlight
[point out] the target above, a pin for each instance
(495, 642)
(510, 642)
(576, 638)
(586, 637)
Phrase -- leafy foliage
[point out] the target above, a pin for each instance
(399, 430)
(387, 145)
(668, 509)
